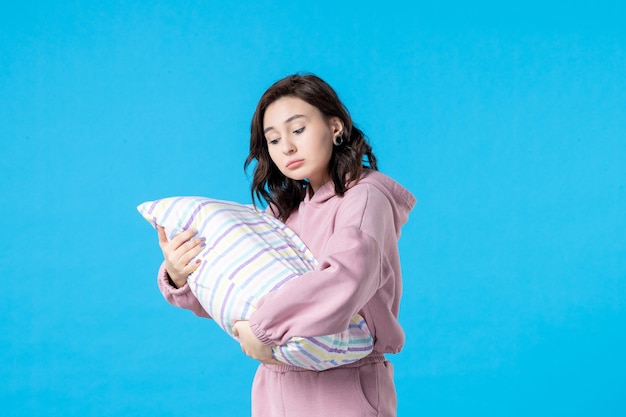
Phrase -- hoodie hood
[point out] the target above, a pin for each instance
(401, 199)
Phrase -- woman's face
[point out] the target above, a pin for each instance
(300, 139)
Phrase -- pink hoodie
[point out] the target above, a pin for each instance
(355, 240)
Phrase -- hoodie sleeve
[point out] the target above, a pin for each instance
(351, 270)
(180, 297)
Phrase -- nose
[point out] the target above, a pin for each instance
(288, 147)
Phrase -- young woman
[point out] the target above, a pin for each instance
(318, 174)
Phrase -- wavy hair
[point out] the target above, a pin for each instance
(347, 161)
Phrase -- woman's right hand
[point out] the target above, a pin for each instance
(178, 254)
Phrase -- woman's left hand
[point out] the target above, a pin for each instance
(252, 346)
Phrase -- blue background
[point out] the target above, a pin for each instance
(508, 123)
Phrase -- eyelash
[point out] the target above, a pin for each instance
(297, 132)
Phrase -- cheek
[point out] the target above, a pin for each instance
(275, 157)
(326, 149)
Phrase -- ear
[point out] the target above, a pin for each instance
(336, 125)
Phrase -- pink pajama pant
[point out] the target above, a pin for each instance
(363, 388)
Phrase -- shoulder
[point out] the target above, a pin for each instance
(364, 204)
(366, 193)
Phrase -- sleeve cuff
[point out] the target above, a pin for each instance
(168, 287)
(260, 333)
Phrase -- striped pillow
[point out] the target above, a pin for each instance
(248, 254)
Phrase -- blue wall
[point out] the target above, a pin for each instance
(507, 122)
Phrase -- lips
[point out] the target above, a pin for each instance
(295, 163)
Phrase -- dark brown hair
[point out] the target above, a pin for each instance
(347, 161)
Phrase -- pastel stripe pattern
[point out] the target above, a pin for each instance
(248, 254)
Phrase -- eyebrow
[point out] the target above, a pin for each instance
(290, 119)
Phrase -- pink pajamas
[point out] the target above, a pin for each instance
(355, 240)
(362, 389)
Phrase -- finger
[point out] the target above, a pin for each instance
(191, 267)
(161, 234)
(235, 330)
(192, 245)
(186, 253)
(182, 237)
(186, 270)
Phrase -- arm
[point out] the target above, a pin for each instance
(180, 297)
(325, 352)
(172, 277)
(352, 268)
